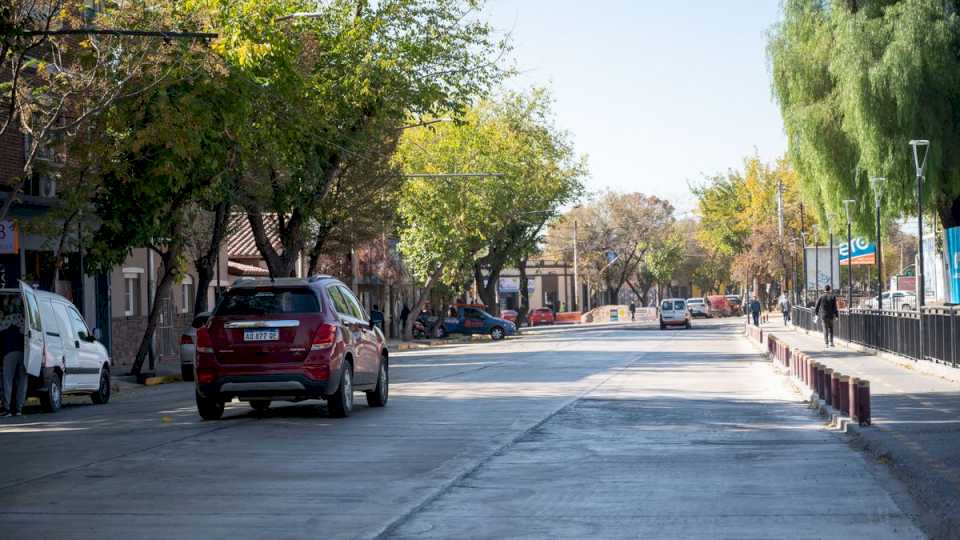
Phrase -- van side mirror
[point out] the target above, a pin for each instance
(97, 334)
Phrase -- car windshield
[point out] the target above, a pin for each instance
(695, 301)
(268, 302)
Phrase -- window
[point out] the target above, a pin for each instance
(268, 302)
(76, 322)
(131, 295)
(472, 313)
(355, 310)
(340, 304)
(33, 311)
(187, 296)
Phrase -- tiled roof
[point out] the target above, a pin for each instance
(240, 243)
(239, 269)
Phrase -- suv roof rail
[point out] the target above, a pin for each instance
(318, 277)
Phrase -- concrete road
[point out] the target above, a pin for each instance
(602, 433)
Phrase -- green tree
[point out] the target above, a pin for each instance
(337, 86)
(856, 80)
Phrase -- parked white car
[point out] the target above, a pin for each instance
(674, 312)
(188, 346)
(895, 300)
(698, 307)
(61, 354)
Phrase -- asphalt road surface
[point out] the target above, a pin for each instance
(603, 433)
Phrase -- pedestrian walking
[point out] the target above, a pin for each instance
(826, 309)
(14, 370)
(633, 311)
(404, 314)
(376, 317)
(785, 306)
(755, 308)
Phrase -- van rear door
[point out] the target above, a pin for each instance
(33, 331)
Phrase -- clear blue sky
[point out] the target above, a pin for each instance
(655, 92)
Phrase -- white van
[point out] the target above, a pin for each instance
(674, 312)
(61, 354)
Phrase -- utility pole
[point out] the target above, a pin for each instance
(846, 207)
(803, 239)
(576, 279)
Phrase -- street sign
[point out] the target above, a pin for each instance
(863, 252)
(9, 237)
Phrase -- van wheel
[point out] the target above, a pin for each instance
(496, 333)
(340, 404)
(378, 396)
(186, 373)
(688, 325)
(52, 399)
(663, 326)
(210, 408)
(102, 395)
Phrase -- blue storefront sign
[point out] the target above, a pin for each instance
(953, 258)
(863, 252)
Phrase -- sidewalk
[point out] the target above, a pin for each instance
(916, 423)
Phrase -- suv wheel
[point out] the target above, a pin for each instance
(260, 405)
(102, 395)
(340, 404)
(378, 396)
(496, 333)
(210, 408)
(52, 399)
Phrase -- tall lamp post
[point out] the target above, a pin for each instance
(921, 164)
(846, 208)
(877, 182)
(806, 276)
(576, 274)
(830, 221)
(816, 261)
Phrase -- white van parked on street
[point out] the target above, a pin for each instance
(61, 355)
(674, 312)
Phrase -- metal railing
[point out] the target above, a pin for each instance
(896, 331)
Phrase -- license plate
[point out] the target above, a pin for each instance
(271, 334)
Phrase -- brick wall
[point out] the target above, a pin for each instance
(127, 333)
(11, 154)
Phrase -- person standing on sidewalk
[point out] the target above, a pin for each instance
(14, 371)
(633, 311)
(785, 306)
(755, 308)
(828, 312)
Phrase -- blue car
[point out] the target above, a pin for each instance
(472, 319)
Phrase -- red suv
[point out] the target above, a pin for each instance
(541, 316)
(289, 340)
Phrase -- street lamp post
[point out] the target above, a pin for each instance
(576, 279)
(816, 261)
(806, 276)
(830, 253)
(877, 182)
(921, 165)
(846, 207)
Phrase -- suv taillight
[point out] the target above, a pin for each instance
(324, 337)
(186, 340)
(204, 344)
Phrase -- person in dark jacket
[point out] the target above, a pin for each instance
(14, 370)
(828, 312)
(376, 317)
(404, 314)
(755, 308)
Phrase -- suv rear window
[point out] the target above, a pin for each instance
(268, 302)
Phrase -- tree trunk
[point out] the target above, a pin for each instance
(291, 236)
(163, 290)
(488, 290)
(205, 264)
(524, 294)
(950, 215)
(314, 262)
(421, 302)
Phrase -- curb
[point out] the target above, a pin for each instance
(163, 379)
(835, 420)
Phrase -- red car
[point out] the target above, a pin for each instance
(290, 339)
(542, 316)
(509, 315)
